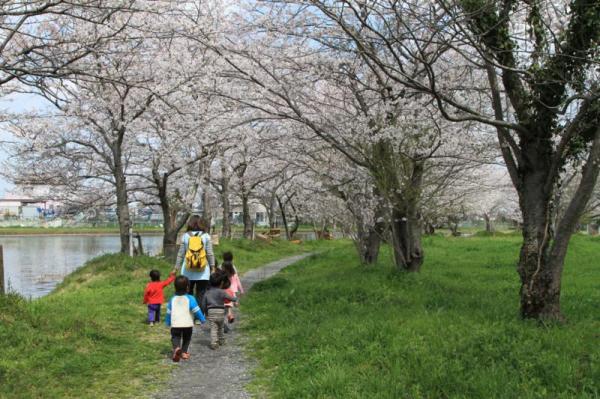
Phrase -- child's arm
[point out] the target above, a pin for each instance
(210, 255)
(169, 280)
(239, 283)
(231, 298)
(195, 309)
(204, 304)
(146, 294)
(168, 318)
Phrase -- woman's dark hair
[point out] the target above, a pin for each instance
(182, 285)
(227, 256)
(196, 223)
(219, 280)
(154, 275)
(227, 267)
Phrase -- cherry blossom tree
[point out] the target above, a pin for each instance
(100, 114)
(378, 125)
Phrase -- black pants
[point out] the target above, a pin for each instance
(179, 334)
(201, 287)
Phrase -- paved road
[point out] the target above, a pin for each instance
(222, 373)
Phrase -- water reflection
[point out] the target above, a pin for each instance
(34, 265)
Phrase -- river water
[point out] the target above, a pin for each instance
(35, 264)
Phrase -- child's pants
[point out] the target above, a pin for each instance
(179, 334)
(154, 313)
(215, 321)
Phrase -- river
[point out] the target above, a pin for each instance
(35, 264)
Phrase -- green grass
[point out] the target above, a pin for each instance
(88, 339)
(16, 230)
(330, 328)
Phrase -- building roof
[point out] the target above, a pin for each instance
(21, 200)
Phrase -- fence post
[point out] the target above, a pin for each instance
(131, 240)
(2, 289)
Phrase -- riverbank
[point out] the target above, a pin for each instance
(88, 338)
(332, 328)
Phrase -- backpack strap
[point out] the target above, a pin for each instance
(187, 233)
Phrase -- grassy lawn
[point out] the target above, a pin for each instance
(88, 339)
(330, 328)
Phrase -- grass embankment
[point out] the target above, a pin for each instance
(330, 328)
(88, 339)
(16, 230)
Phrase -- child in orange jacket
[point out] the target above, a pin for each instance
(153, 295)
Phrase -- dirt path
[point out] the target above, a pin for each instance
(222, 373)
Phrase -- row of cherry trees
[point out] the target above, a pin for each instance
(388, 118)
(398, 87)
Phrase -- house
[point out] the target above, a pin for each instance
(12, 207)
(257, 210)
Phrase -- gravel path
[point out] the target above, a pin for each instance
(221, 373)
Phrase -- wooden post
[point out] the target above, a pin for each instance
(130, 241)
(138, 236)
(2, 289)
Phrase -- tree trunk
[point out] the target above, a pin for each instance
(542, 256)
(488, 223)
(206, 207)
(406, 241)
(139, 251)
(284, 218)
(272, 213)
(226, 229)
(406, 224)
(122, 201)
(247, 218)
(538, 299)
(453, 226)
(369, 238)
(429, 228)
(170, 246)
(171, 225)
(368, 243)
(295, 228)
(173, 220)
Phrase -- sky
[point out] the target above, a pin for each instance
(10, 104)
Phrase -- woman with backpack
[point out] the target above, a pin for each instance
(196, 256)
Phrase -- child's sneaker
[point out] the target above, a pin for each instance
(185, 356)
(214, 346)
(177, 354)
(151, 323)
(197, 322)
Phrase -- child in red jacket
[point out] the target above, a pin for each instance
(153, 295)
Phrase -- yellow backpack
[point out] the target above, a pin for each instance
(195, 256)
